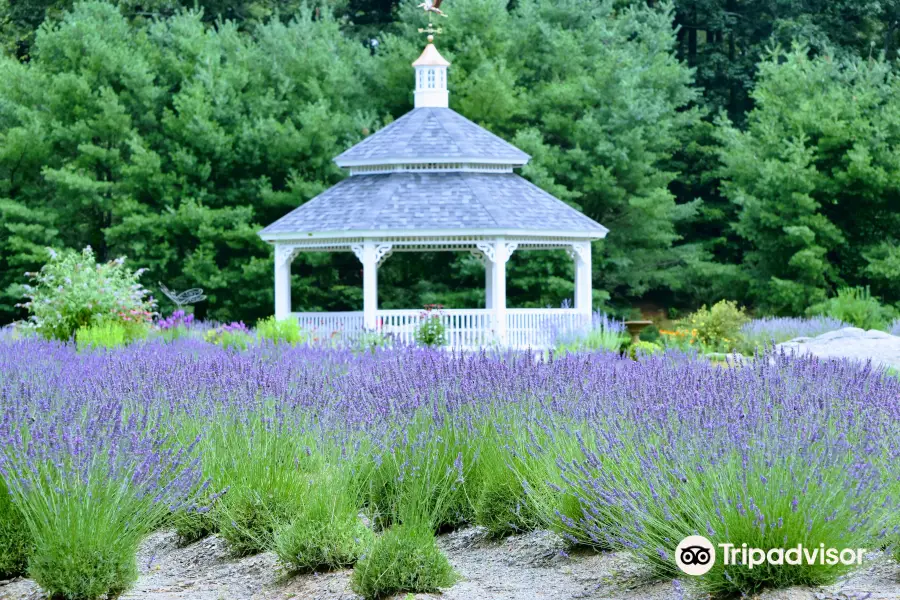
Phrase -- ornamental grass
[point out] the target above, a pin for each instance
(332, 458)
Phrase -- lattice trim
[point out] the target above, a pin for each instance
(432, 167)
(288, 250)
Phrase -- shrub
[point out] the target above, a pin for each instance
(717, 328)
(424, 476)
(263, 471)
(73, 291)
(110, 334)
(431, 331)
(234, 335)
(502, 505)
(643, 348)
(327, 533)
(90, 485)
(15, 541)
(193, 523)
(405, 558)
(248, 519)
(284, 331)
(857, 306)
(894, 329)
(604, 333)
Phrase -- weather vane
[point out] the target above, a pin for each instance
(432, 6)
(430, 30)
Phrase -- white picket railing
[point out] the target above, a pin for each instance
(539, 327)
(464, 328)
(325, 326)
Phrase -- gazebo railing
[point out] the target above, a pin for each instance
(539, 327)
(347, 326)
(463, 328)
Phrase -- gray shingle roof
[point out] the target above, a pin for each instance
(457, 201)
(429, 135)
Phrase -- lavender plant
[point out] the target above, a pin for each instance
(603, 333)
(91, 478)
(235, 335)
(15, 541)
(768, 330)
(733, 461)
(175, 326)
(610, 452)
(327, 532)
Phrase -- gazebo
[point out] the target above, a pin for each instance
(434, 181)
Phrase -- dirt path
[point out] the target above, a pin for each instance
(533, 566)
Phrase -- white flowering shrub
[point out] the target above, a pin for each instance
(73, 291)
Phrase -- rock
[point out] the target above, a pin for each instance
(881, 348)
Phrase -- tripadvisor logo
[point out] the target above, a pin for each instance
(696, 555)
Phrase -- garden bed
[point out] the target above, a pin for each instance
(532, 566)
(274, 462)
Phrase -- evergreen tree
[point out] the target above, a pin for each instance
(816, 179)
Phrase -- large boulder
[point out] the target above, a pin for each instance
(879, 347)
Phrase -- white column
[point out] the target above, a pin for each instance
(371, 254)
(488, 283)
(284, 255)
(497, 253)
(581, 252)
(370, 285)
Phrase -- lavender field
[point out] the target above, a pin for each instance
(334, 459)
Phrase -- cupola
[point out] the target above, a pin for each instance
(431, 78)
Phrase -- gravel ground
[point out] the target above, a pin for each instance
(532, 566)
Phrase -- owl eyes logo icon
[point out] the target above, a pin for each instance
(695, 555)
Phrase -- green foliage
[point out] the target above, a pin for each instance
(284, 331)
(237, 338)
(405, 558)
(86, 566)
(248, 518)
(171, 141)
(192, 525)
(502, 507)
(72, 291)
(425, 478)
(327, 533)
(370, 341)
(110, 334)
(642, 348)
(814, 176)
(430, 331)
(15, 540)
(86, 530)
(858, 307)
(717, 328)
(263, 472)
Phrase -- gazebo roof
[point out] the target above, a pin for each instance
(433, 173)
(426, 135)
(452, 202)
